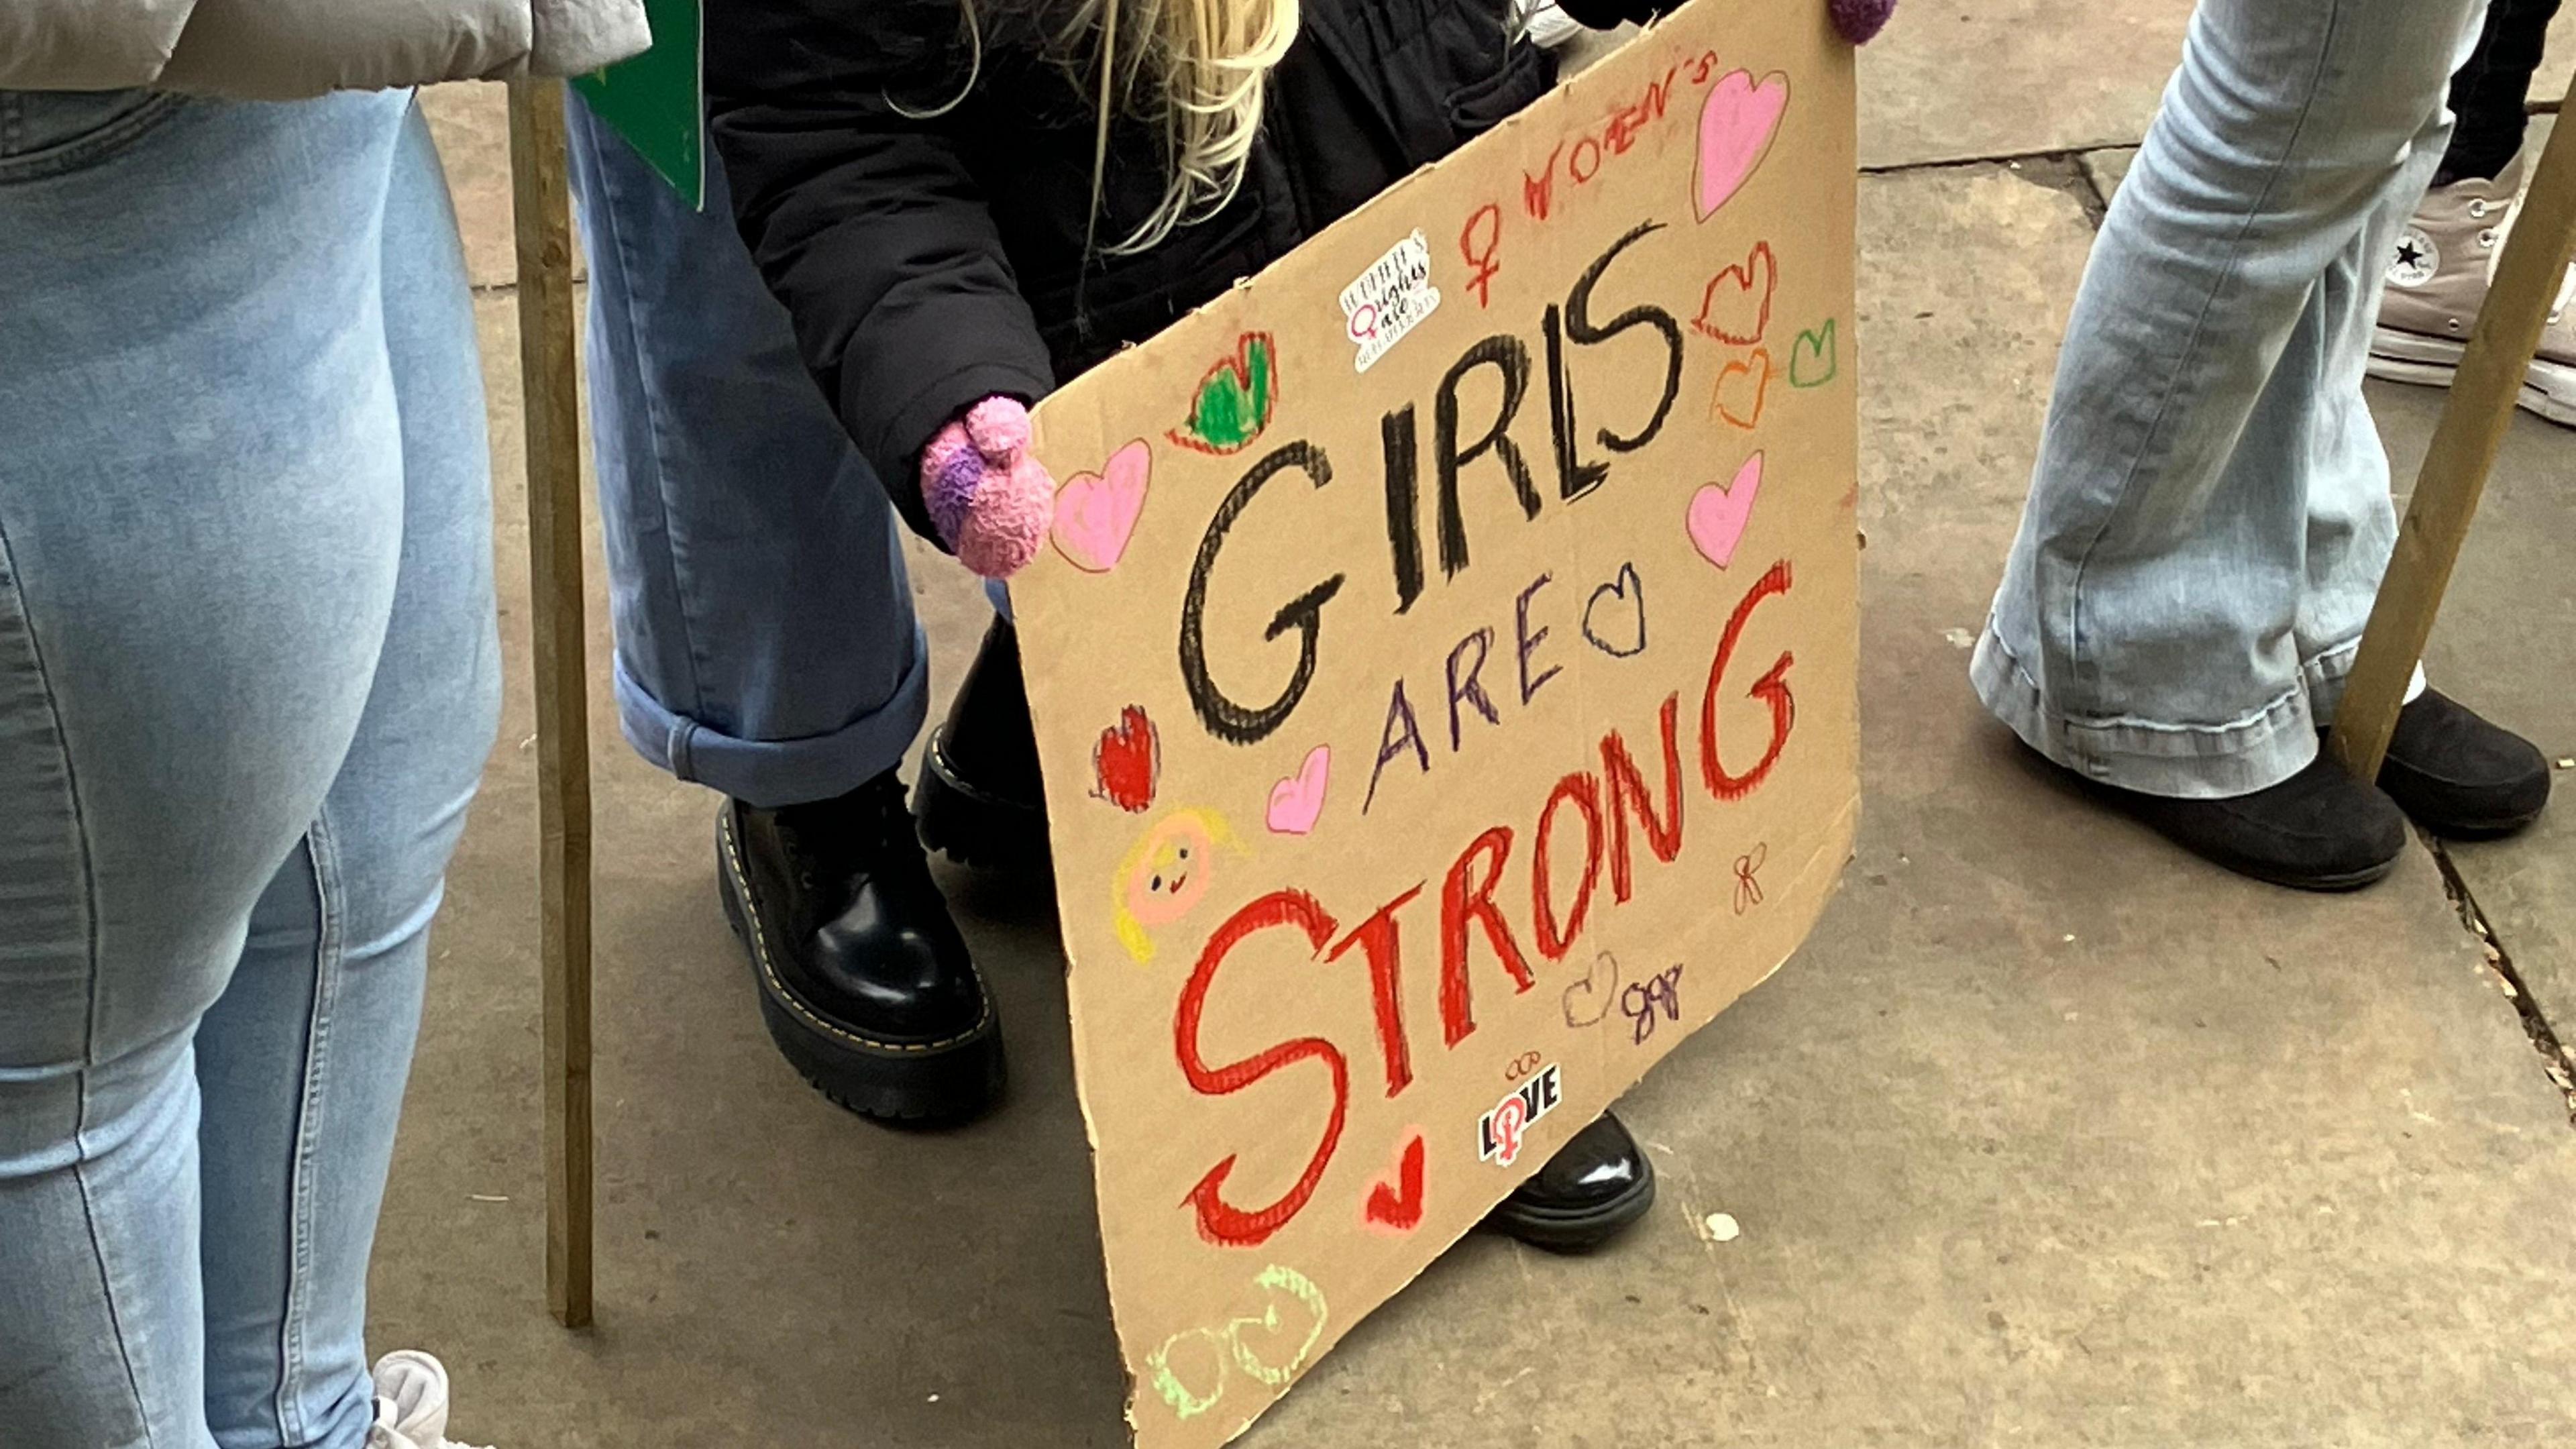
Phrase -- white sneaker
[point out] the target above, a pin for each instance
(411, 1403)
(2438, 280)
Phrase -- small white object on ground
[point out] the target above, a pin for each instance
(1722, 1228)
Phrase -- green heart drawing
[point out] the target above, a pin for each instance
(1234, 400)
(1811, 358)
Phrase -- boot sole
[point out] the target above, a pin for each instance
(972, 828)
(928, 1084)
(1574, 1230)
(2548, 387)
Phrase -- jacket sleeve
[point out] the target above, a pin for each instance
(289, 49)
(864, 219)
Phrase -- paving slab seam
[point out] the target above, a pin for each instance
(2555, 1058)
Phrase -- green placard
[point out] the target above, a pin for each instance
(657, 100)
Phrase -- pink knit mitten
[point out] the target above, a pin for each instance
(989, 499)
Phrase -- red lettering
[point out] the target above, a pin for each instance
(1481, 261)
(1538, 193)
(1574, 166)
(1461, 903)
(1585, 792)
(1221, 1222)
(1628, 789)
(1772, 689)
(1378, 941)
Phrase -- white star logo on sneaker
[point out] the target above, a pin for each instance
(2417, 259)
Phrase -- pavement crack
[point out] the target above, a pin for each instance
(2555, 1059)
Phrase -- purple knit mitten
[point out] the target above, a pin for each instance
(988, 498)
(1858, 20)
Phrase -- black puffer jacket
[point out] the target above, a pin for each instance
(931, 260)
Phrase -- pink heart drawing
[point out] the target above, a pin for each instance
(1297, 800)
(1095, 513)
(1718, 513)
(1736, 124)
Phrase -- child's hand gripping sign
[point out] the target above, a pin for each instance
(1444, 674)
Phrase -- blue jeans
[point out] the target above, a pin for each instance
(2210, 517)
(248, 679)
(766, 644)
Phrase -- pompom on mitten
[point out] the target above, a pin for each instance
(991, 502)
(1858, 20)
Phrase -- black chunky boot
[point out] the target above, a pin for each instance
(2459, 776)
(864, 980)
(982, 804)
(1595, 1185)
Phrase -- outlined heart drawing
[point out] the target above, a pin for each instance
(1095, 513)
(1589, 1000)
(1736, 124)
(1626, 636)
(1398, 1205)
(1741, 387)
(1718, 513)
(1736, 307)
(1296, 801)
(1812, 362)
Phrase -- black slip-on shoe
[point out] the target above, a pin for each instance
(1595, 1186)
(2459, 776)
(865, 983)
(982, 803)
(2319, 830)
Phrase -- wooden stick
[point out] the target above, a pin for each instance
(548, 392)
(2527, 279)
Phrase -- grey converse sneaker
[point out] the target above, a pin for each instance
(2438, 280)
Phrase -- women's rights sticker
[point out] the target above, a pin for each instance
(1390, 299)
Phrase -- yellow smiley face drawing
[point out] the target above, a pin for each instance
(1164, 877)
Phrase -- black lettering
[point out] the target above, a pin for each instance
(1574, 477)
(1579, 328)
(1509, 356)
(1403, 503)
(1224, 718)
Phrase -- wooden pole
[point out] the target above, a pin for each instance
(2527, 279)
(548, 391)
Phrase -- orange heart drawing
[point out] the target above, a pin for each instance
(1741, 386)
(1736, 307)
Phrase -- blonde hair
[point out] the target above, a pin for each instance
(1198, 68)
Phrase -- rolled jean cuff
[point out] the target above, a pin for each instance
(2192, 762)
(772, 773)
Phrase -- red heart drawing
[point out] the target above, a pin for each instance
(1739, 289)
(1399, 1206)
(1127, 760)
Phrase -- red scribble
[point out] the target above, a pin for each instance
(1128, 760)
(1400, 1206)
(1482, 261)
(1219, 1221)
(1772, 689)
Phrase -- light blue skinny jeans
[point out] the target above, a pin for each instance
(248, 678)
(2210, 516)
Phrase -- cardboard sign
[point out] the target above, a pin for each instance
(1445, 679)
